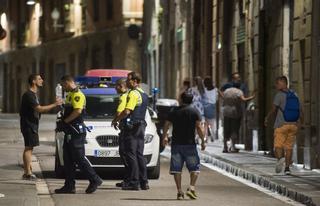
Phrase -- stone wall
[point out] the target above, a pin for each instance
(107, 49)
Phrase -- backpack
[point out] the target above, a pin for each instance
(291, 112)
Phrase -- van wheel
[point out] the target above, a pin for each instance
(58, 168)
(154, 172)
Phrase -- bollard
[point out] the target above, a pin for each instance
(255, 141)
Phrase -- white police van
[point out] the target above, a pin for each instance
(102, 142)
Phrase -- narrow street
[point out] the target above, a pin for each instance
(122, 82)
(213, 188)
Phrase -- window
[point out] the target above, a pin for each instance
(108, 54)
(72, 67)
(95, 54)
(96, 14)
(109, 9)
(60, 71)
(34, 67)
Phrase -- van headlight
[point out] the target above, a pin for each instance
(148, 138)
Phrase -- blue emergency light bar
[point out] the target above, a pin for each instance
(99, 91)
(90, 81)
(82, 80)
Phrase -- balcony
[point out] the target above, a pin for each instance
(132, 11)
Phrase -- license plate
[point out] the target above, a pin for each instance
(106, 153)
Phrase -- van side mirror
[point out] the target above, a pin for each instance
(153, 114)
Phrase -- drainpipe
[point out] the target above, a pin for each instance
(286, 38)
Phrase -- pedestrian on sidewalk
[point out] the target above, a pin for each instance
(72, 124)
(209, 104)
(233, 99)
(197, 91)
(235, 79)
(289, 117)
(30, 110)
(185, 121)
(186, 85)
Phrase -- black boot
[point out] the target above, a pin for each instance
(93, 186)
(66, 190)
(130, 187)
(144, 186)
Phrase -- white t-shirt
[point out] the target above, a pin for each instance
(210, 96)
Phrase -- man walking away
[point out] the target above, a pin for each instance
(232, 115)
(185, 120)
(289, 115)
(235, 80)
(122, 90)
(30, 110)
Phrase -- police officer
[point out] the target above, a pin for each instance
(122, 90)
(133, 118)
(75, 133)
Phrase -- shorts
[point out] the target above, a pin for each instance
(285, 136)
(31, 139)
(181, 154)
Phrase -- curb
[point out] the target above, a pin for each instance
(43, 193)
(257, 179)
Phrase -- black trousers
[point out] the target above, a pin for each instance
(122, 154)
(134, 146)
(231, 129)
(74, 153)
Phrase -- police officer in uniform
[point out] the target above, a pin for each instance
(134, 125)
(75, 133)
(122, 90)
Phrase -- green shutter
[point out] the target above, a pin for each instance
(241, 34)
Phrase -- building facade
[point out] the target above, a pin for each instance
(259, 39)
(58, 37)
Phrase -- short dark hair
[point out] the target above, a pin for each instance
(66, 78)
(187, 83)
(234, 73)
(135, 76)
(186, 97)
(208, 83)
(121, 81)
(283, 79)
(31, 78)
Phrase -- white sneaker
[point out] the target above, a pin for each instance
(280, 165)
(31, 177)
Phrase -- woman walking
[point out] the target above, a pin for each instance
(209, 105)
(198, 91)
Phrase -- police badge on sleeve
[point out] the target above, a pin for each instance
(77, 98)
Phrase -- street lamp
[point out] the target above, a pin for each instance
(31, 2)
(55, 15)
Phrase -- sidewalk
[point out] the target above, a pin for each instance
(302, 185)
(15, 190)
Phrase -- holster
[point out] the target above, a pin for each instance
(131, 126)
(76, 129)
